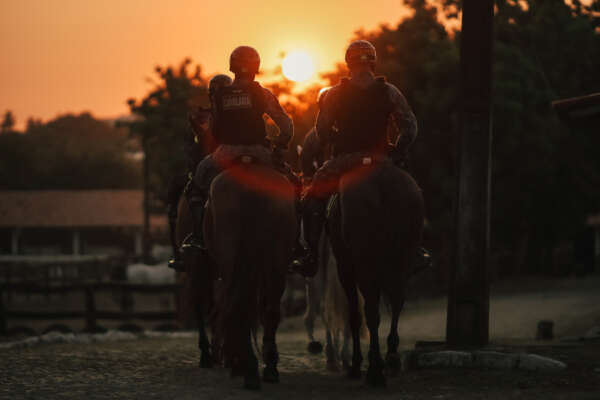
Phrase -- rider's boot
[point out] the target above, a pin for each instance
(314, 218)
(194, 243)
(422, 260)
(175, 262)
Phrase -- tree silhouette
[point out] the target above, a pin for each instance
(8, 122)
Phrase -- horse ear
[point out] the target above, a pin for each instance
(299, 149)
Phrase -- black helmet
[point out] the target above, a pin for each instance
(244, 59)
(322, 94)
(361, 52)
(217, 82)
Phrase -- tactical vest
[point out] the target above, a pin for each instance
(238, 115)
(362, 118)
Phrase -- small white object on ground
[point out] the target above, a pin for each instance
(533, 362)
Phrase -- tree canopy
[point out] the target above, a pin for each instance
(69, 152)
(161, 122)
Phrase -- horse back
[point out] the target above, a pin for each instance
(381, 215)
(252, 213)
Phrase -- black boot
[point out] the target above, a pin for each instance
(194, 243)
(314, 218)
(422, 260)
(175, 262)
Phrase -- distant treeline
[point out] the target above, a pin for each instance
(69, 152)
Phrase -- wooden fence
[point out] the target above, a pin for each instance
(91, 315)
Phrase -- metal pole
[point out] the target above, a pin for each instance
(146, 223)
(468, 297)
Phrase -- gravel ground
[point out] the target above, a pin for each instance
(167, 368)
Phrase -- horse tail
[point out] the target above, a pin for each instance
(238, 313)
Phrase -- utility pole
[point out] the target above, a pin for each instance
(469, 292)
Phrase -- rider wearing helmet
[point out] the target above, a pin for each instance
(353, 120)
(239, 129)
(195, 146)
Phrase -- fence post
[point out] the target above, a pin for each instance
(3, 324)
(90, 310)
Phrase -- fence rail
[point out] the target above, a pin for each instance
(90, 314)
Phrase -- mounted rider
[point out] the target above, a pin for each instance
(353, 120)
(194, 151)
(196, 143)
(238, 128)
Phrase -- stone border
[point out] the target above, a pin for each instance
(86, 338)
(415, 359)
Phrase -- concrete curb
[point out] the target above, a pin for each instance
(415, 359)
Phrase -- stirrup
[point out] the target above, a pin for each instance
(307, 265)
(423, 261)
(176, 264)
(192, 242)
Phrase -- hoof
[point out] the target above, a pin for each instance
(206, 361)
(333, 366)
(315, 347)
(375, 378)
(354, 373)
(271, 375)
(252, 383)
(393, 363)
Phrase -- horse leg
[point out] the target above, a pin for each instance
(349, 286)
(312, 308)
(206, 359)
(331, 352)
(272, 317)
(375, 375)
(346, 348)
(251, 377)
(392, 358)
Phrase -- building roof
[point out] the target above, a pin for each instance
(71, 208)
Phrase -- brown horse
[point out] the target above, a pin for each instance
(375, 230)
(250, 231)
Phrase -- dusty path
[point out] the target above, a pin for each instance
(167, 368)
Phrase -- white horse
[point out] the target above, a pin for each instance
(325, 297)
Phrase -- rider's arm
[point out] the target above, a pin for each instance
(326, 119)
(281, 119)
(403, 118)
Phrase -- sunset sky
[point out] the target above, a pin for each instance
(75, 55)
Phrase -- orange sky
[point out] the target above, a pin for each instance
(73, 55)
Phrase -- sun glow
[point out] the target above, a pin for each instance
(298, 66)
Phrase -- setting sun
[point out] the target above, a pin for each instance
(298, 66)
